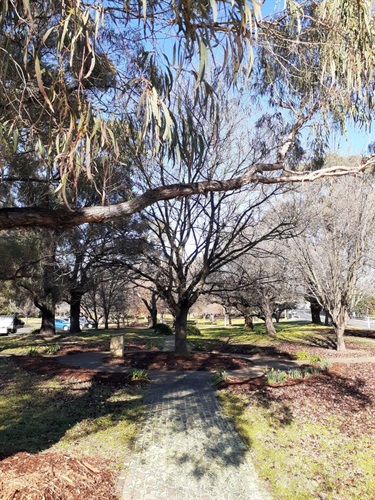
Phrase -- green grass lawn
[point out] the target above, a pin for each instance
(24, 344)
(40, 413)
(302, 458)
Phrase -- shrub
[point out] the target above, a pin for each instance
(137, 374)
(218, 377)
(276, 376)
(193, 330)
(34, 351)
(163, 329)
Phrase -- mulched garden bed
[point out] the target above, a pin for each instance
(165, 361)
(352, 350)
(347, 391)
(260, 350)
(52, 368)
(52, 476)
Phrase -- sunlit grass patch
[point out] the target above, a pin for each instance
(39, 413)
(302, 459)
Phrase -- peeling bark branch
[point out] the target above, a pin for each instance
(27, 217)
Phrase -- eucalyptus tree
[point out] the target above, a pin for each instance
(76, 77)
(334, 252)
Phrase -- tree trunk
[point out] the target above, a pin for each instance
(181, 346)
(48, 321)
(267, 311)
(339, 322)
(315, 309)
(340, 342)
(154, 318)
(326, 319)
(75, 312)
(152, 309)
(249, 324)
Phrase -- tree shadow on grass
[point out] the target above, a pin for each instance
(366, 334)
(325, 342)
(38, 410)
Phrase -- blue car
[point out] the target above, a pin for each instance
(62, 324)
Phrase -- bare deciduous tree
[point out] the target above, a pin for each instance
(332, 254)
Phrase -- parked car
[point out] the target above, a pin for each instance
(62, 324)
(87, 323)
(9, 323)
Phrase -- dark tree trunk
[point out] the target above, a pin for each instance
(48, 320)
(106, 322)
(154, 318)
(316, 310)
(181, 346)
(327, 319)
(249, 324)
(152, 309)
(75, 312)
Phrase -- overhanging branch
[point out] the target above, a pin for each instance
(27, 217)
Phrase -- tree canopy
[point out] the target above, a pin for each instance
(85, 87)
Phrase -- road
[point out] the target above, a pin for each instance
(305, 315)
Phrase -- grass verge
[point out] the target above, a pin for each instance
(302, 458)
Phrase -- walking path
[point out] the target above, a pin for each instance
(187, 448)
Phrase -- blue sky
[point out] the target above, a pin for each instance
(355, 143)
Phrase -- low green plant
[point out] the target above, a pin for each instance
(302, 355)
(52, 349)
(218, 377)
(163, 329)
(138, 374)
(324, 364)
(314, 359)
(295, 373)
(193, 330)
(276, 376)
(153, 343)
(33, 351)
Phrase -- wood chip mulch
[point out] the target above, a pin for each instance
(55, 476)
(165, 361)
(347, 392)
